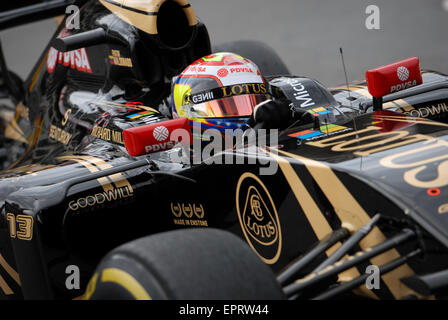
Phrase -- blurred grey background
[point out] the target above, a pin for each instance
(307, 34)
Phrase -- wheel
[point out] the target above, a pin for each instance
(190, 264)
(263, 55)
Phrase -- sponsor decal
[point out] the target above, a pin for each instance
(105, 197)
(429, 157)
(394, 77)
(202, 97)
(319, 111)
(241, 70)
(305, 134)
(403, 73)
(198, 69)
(369, 140)
(135, 116)
(332, 128)
(258, 218)
(107, 134)
(59, 134)
(224, 92)
(76, 59)
(223, 72)
(188, 214)
(116, 60)
(301, 94)
(137, 111)
(159, 147)
(248, 88)
(402, 86)
(156, 137)
(161, 133)
(428, 111)
(329, 129)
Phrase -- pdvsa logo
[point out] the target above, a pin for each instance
(403, 74)
(159, 147)
(76, 59)
(241, 70)
(258, 218)
(222, 73)
(161, 133)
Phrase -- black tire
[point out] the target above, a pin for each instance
(263, 55)
(193, 264)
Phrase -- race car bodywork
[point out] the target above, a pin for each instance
(70, 192)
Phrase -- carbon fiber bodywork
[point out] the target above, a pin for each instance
(70, 193)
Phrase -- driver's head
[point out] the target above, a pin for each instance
(220, 91)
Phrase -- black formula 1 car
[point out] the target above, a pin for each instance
(361, 185)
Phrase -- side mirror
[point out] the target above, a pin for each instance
(157, 137)
(392, 78)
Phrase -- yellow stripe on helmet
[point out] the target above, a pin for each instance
(180, 93)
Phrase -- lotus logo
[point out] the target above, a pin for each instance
(161, 133)
(403, 73)
(258, 218)
(255, 204)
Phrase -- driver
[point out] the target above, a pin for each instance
(227, 91)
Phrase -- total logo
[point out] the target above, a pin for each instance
(403, 74)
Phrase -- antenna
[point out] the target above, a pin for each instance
(346, 77)
(350, 99)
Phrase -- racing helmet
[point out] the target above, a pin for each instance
(220, 91)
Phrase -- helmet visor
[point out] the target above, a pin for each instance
(235, 106)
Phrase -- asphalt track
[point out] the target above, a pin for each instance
(307, 34)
